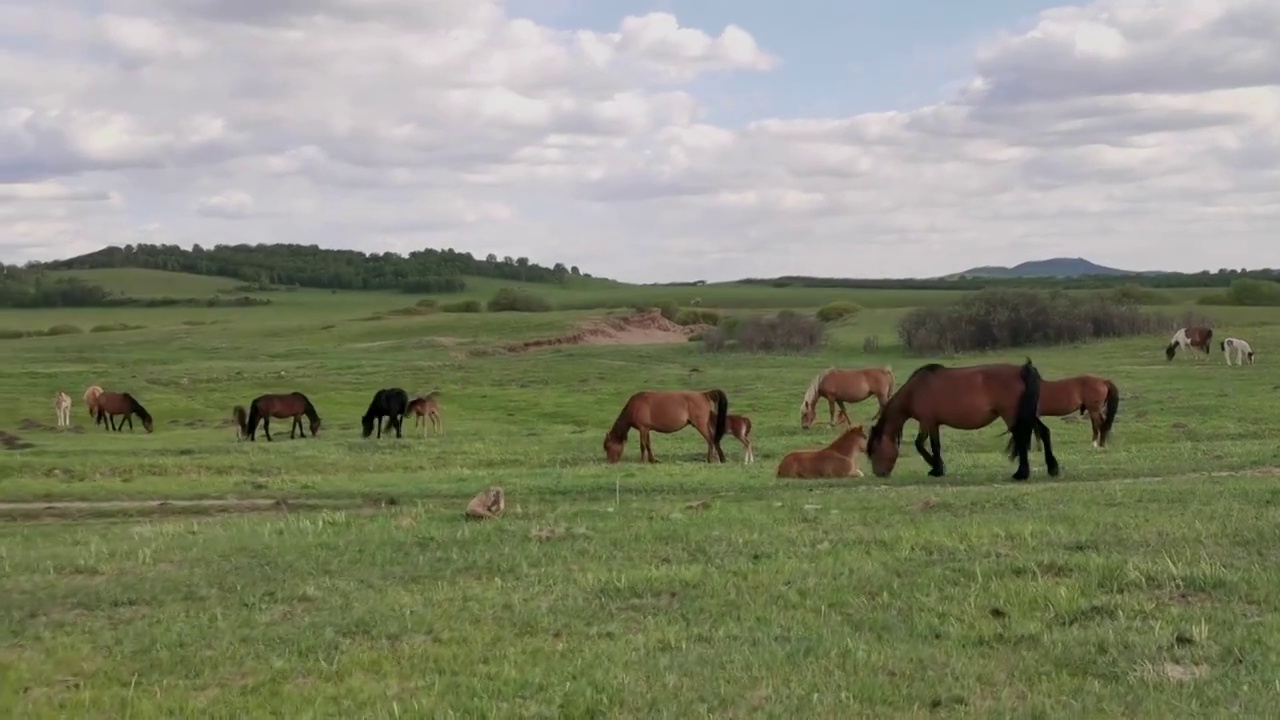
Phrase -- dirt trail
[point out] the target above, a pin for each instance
(643, 328)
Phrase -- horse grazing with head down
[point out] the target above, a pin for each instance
(1090, 394)
(427, 407)
(1189, 337)
(264, 407)
(838, 387)
(390, 403)
(739, 426)
(111, 404)
(964, 398)
(834, 460)
(668, 411)
(1237, 347)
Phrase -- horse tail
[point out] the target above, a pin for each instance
(1222, 346)
(242, 419)
(1024, 425)
(1113, 406)
(1208, 337)
(722, 412)
(255, 414)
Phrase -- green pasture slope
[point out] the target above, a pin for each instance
(1142, 583)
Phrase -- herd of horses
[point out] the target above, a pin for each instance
(934, 396)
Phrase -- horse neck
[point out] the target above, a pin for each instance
(896, 412)
(622, 425)
(310, 410)
(811, 393)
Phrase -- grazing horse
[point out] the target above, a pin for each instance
(668, 411)
(111, 404)
(1239, 347)
(838, 387)
(426, 407)
(91, 394)
(1189, 337)
(834, 460)
(739, 426)
(1090, 394)
(264, 407)
(391, 403)
(62, 407)
(964, 398)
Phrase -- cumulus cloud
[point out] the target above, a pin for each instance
(1134, 132)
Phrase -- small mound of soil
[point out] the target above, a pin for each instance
(12, 442)
(646, 328)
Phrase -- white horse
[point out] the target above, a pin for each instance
(1240, 348)
(62, 406)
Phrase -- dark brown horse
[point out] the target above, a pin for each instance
(264, 407)
(834, 460)
(838, 387)
(1189, 337)
(668, 411)
(426, 407)
(1098, 397)
(111, 404)
(739, 426)
(964, 398)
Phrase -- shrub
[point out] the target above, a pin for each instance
(669, 309)
(64, 330)
(428, 303)
(463, 306)
(114, 327)
(785, 332)
(1253, 293)
(837, 310)
(411, 311)
(871, 344)
(693, 316)
(995, 319)
(13, 334)
(512, 300)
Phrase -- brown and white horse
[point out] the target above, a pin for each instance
(1240, 348)
(1188, 338)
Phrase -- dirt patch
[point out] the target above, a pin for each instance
(9, 441)
(30, 425)
(646, 328)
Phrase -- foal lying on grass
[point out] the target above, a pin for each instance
(834, 460)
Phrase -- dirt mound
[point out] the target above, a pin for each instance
(645, 328)
(9, 441)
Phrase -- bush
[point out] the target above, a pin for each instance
(668, 309)
(411, 311)
(837, 310)
(13, 334)
(785, 332)
(697, 317)
(114, 327)
(871, 344)
(428, 303)
(1139, 295)
(463, 306)
(995, 319)
(1253, 293)
(512, 300)
(64, 330)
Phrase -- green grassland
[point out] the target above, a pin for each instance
(1141, 583)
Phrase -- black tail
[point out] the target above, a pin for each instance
(1222, 346)
(1024, 426)
(1208, 340)
(1109, 419)
(254, 416)
(242, 420)
(722, 412)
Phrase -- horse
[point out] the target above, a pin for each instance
(1239, 347)
(834, 460)
(964, 398)
(838, 387)
(739, 426)
(391, 403)
(1189, 337)
(668, 411)
(62, 407)
(91, 394)
(425, 407)
(264, 407)
(1090, 394)
(111, 404)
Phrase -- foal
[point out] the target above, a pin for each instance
(1239, 347)
(740, 427)
(424, 408)
(62, 406)
(834, 460)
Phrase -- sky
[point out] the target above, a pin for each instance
(650, 140)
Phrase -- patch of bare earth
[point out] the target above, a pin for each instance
(646, 328)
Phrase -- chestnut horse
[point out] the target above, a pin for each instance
(964, 398)
(111, 404)
(1090, 394)
(739, 426)
(264, 407)
(91, 394)
(1189, 337)
(668, 411)
(838, 387)
(834, 460)
(426, 407)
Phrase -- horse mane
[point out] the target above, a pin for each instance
(307, 408)
(622, 425)
(877, 429)
(136, 407)
(811, 394)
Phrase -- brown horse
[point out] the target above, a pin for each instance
(964, 398)
(111, 404)
(1189, 337)
(834, 460)
(1098, 397)
(426, 407)
(668, 411)
(739, 426)
(264, 407)
(838, 387)
(91, 394)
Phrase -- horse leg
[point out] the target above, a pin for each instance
(399, 426)
(128, 417)
(646, 450)
(1095, 419)
(1050, 461)
(831, 408)
(266, 426)
(934, 458)
(844, 414)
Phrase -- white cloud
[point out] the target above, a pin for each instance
(1134, 132)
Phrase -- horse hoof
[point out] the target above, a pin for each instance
(937, 472)
(1021, 476)
(1055, 471)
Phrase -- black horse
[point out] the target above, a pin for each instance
(393, 402)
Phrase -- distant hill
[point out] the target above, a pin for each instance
(1053, 267)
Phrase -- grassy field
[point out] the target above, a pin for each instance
(1141, 583)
